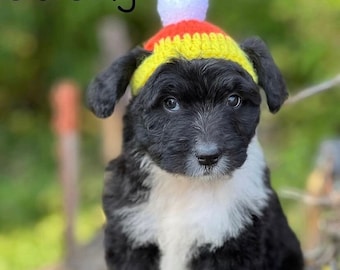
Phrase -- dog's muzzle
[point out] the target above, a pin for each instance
(207, 154)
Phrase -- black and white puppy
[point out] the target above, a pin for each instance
(191, 189)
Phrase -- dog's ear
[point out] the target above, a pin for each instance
(110, 85)
(269, 76)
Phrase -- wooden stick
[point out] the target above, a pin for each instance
(310, 91)
(113, 41)
(65, 98)
(332, 200)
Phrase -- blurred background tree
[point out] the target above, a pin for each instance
(43, 41)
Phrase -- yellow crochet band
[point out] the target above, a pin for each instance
(196, 46)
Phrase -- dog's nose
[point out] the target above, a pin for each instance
(207, 154)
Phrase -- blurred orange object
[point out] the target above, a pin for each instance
(65, 97)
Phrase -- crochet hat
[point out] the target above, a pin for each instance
(186, 35)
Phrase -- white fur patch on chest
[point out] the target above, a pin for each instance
(183, 214)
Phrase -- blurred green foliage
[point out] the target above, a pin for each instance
(43, 41)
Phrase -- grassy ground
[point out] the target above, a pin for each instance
(31, 220)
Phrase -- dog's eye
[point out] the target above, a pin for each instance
(171, 104)
(234, 101)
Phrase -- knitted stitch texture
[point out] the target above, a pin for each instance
(190, 39)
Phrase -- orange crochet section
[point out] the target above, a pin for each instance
(179, 29)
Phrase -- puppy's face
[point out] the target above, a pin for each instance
(194, 117)
(197, 117)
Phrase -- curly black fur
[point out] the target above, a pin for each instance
(203, 145)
